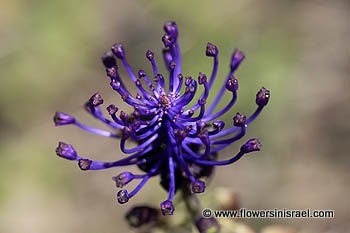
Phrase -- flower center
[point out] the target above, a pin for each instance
(164, 101)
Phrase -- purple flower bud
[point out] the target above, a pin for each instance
(262, 97)
(251, 145)
(123, 179)
(115, 85)
(149, 55)
(171, 29)
(202, 101)
(239, 119)
(168, 40)
(232, 84)
(141, 74)
(212, 50)
(118, 51)
(207, 225)
(126, 132)
(141, 215)
(124, 116)
(66, 151)
(123, 196)
(167, 207)
(96, 100)
(190, 112)
(61, 118)
(204, 137)
(112, 109)
(188, 80)
(219, 125)
(84, 164)
(108, 60)
(237, 58)
(202, 78)
(198, 186)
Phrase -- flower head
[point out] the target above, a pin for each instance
(178, 138)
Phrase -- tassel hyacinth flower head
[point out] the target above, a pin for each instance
(177, 137)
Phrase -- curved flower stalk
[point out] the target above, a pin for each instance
(176, 140)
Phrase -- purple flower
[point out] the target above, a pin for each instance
(176, 140)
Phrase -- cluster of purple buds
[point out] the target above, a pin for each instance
(177, 138)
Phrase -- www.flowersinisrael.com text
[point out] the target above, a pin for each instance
(274, 213)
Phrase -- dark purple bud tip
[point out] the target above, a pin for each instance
(150, 55)
(218, 125)
(168, 40)
(190, 112)
(202, 101)
(262, 97)
(239, 119)
(96, 100)
(124, 116)
(251, 145)
(167, 207)
(180, 76)
(126, 132)
(141, 215)
(212, 50)
(198, 186)
(66, 151)
(118, 51)
(188, 81)
(202, 78)
(112, 109)
(61, 118)
(84, 164)
(123, 179)
(204, 137)
(207, 225)
(115, 85)
(123, 196)
(237, 58)
(108, 60)
(171, 29)
(232, 84)
(141, 74)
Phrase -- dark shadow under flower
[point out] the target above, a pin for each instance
(176, 140)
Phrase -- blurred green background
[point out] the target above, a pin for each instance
(50, 60)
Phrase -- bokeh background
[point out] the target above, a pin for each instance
(50, 60)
